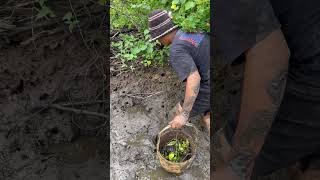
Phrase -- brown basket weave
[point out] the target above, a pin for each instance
(165, 135)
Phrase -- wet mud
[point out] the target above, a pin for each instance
(142, 103)
(38, 141)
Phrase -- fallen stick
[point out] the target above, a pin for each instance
(82, 103)
(185, 157)
(115, 34)
(78, 111)
(140, 97)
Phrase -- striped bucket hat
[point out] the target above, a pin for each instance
(160, 24)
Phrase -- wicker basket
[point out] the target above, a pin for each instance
(165, 135)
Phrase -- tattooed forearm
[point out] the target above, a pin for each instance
(276, 87)
(241, 162)
(243, 157)
(261, 121)
(185, 113)
(187, 105)
(192, 90)
(196, 88)
(258, 125)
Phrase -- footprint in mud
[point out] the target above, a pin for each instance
(79, 151)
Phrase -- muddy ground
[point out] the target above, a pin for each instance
(40, 142)
(53, 99)
(142, 103)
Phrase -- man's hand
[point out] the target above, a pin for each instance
(192, 90)
(178, 121)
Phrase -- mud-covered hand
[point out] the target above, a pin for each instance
(179, 121)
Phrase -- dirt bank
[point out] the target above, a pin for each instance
(47, 74)
(141, 105)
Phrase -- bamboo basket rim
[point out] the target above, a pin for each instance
(184, 164)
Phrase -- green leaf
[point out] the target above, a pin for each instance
(135, 50)
(67, 16)
(145, 32)
(129, 56)
(71, 26)
(143, 47)
(189, 5)
(44, 12)
(175, 2)
(171, 143)
(164, 1)
(171, 156)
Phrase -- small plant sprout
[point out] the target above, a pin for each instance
(71, 20)
(44, 11)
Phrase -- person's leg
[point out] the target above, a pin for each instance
(206, 121)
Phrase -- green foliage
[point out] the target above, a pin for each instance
(131, 14)
(176, 150)
(44, 11)
(102, 2)
(190, 15)
(131, 48)
(71, 20)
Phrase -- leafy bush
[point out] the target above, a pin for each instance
(189, 15)
(131, 47)
(131, 13)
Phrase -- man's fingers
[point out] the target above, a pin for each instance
(174, 125)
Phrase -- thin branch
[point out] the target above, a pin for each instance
(78, 111)
(115, 34)
(75, 15)
(140, 97)
(83, 103)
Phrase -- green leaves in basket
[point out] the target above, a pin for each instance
(176, 150)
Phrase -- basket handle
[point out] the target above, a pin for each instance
(164, 129)
(196, 130)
